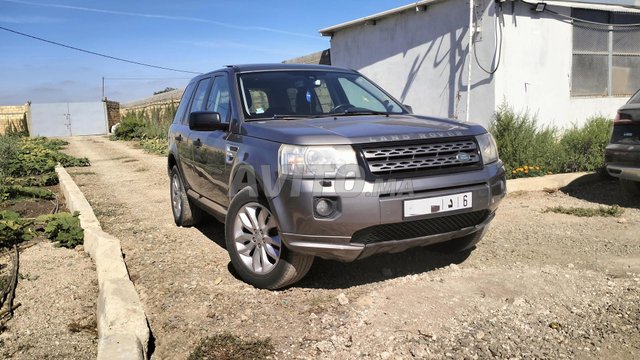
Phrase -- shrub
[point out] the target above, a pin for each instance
(150, 127)
(521, 142)
(583, 147)
(130, 128)
(524, 146)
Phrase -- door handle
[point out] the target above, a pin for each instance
(197, 143)
(178, 137)
(230, 153)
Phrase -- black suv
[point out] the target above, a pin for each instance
(301, 161)
(622, 155)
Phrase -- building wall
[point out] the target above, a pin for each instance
(160, 102)
(113, 113)
(535, 73)
(12, 115)
(420, 58)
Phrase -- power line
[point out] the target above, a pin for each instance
(96, 53)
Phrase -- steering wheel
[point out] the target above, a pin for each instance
(341, 108)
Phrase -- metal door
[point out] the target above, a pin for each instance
(68, 119)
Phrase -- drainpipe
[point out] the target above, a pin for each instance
(469, 59)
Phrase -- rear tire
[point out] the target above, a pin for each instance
(256, 250)
(630, 187)
(185, 213)
(461, 244)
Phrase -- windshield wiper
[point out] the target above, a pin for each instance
(355, 112)
(280, 117)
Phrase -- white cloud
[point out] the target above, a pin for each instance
(168, 17)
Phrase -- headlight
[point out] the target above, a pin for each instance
(320, 161)
(488, 148)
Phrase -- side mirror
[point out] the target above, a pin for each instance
(206, 121)
(408, 107)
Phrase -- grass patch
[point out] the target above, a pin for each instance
(608, 211)
(230, 347)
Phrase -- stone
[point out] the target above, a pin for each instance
(342, 299)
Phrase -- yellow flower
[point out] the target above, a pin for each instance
(526, 167)
(513, 171)
(526, 171)
(537, 167)
(549, 173)
(519, 169)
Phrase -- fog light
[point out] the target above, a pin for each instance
(324, 207)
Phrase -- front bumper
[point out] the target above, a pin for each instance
(369, 204)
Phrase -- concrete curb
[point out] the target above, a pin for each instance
(551, 181)
(123, 332)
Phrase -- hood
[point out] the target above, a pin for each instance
(357, 129)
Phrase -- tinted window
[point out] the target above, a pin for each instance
(198, 99)
(219, 98)
(184, 103)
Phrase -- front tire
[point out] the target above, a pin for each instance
(256, 250)
(185, 213)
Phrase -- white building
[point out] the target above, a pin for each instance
(553, 61)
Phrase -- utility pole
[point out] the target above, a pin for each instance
(103, 88)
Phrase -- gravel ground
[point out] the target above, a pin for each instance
(57, 290)
(540, 285)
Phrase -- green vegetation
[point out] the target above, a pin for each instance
(62, 228)
(149, 127)
(614, 211)
(530, 150)
(230, 347)
(28, 165)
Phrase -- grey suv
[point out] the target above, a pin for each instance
(301, 161)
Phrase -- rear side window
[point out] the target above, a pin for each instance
(199, 98)
(184, 103)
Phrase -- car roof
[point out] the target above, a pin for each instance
(279, 66)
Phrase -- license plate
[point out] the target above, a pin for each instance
(438, 204)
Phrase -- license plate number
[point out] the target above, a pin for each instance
(438, 204)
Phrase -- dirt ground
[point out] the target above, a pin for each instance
(540, 285)
(57, 292)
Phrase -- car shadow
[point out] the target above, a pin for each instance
(328, 274)
(601, 190)
(213, 229)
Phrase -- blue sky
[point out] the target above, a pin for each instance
(191, 35)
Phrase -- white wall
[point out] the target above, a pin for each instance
(420, 58)
(535, 73)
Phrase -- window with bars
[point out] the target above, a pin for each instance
(606, 58)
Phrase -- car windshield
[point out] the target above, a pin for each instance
(293, 93)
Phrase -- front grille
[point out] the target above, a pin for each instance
(419, 228)
(402, 158)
